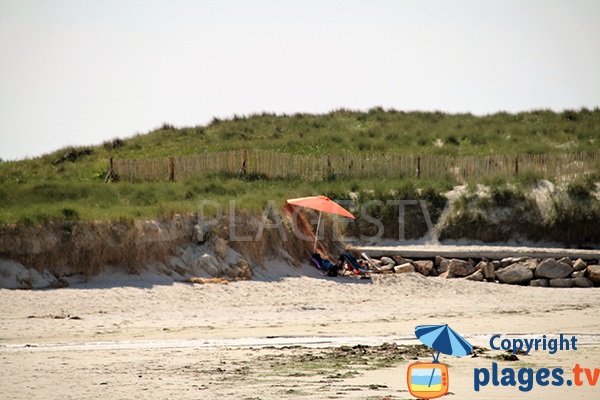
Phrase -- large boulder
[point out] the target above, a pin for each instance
(442, 264)
(593, 273)
(460, 268)
(531, 263)
(539, 282)
(487, 269)
(438, 260)
(511, 260)
(406, 267)
(561, 282)
(566, 260)
(583, 282)
(398, 260)
(552, 269)
(424, 267)
(518, 273)
(579, 265)
(476, 276)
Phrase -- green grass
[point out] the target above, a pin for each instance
(68, 184)
(33, 203)
(379, 131)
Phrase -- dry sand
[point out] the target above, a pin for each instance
(119, 337)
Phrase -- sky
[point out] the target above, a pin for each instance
(82, 72)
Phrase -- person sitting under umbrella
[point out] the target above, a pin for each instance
(349, 263)
(327, 267)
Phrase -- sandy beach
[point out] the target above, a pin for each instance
(147, 337)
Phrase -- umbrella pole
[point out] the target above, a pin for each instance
(317, 233)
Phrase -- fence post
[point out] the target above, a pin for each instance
(111, 173)
(418, 167)
(329, 174)
(171, 169)
(517, 165)
(243, 168)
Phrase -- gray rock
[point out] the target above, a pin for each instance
(518, 273)
(438, 260)
(532, 264)
(552, 269)
(566, 260)
(511, 260)
(497, 264)
(424, 267)
(387, 261)
(539, 282)
(443, 267)
(583, 282)
(561, 282)
(475, 276)
(399, 260)
(488, 271)
(404, 268)
(460, 268)
(579, 265)
(505, 262)
(593, 273)
(578, 274)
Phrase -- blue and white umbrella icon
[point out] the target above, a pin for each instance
(443, 339)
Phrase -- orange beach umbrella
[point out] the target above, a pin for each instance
(321, 204)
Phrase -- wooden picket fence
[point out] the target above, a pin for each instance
(272, 164)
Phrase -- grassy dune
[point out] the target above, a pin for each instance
(68, 184)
